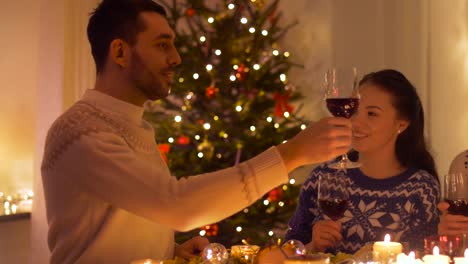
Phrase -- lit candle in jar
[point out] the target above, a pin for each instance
(436, 258)
(460, 260)
(384, 251)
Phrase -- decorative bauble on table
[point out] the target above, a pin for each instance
(215, 253)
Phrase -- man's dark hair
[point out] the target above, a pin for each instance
(117, 19)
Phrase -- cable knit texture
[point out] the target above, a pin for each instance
(404, 206)
(110, 197)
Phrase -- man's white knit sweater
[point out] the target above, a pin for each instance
(110, 197)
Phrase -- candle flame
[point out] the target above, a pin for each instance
(387, 238)
(412, 255)
(436, 251)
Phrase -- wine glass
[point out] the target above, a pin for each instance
(342, 100)
(455, 193)
(333, 195)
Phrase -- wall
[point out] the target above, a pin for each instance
(18, 77)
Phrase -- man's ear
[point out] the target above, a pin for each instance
(119, 52)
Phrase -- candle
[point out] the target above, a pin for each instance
(402, 258)
(244, 254)
(460, 260)
(436, 258)
(386, 251)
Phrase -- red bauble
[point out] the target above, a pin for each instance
(275, 194)
(211, 92)
(190, 12)
(211, 230)
(164, 149)
(183, 140)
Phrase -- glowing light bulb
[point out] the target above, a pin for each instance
(275, 52)
(231, 6)
(286, 114)
(202, 38)
(178, 118)
(266, 202)
(283, 77)
(252, 30)
(256, 67)
(252, 128)
(218, 52)
(244, 20)
(207, 126)
(265, 32)
(202, 233)
(292, 181)
(303, 126)
(200, 155)
(239, 229)
(232, 78)
(238, 108)
(196, 76)
(197, 137)
(170, 140)
(210, 20)
(269, 119)
(286, 54)
(270, 233)
(209, 67)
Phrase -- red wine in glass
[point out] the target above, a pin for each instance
(342, 107)
(333, 208)
(458, 207)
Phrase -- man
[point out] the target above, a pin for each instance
(109, 195)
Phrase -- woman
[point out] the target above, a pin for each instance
(396, 189)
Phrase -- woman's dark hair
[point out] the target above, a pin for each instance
(411, 149)
(114, 19)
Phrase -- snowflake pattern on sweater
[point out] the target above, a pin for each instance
(404, 206)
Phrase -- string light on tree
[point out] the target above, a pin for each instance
(252, 30)
(275, 52)
(178, 118)
(292, 181)
(196, 76)
(303, 126)
(283, 77)
(239, 229)
(202, 39)
(210, 20)
(231, 6)
(218, 52)
(256, 67)
(170, 140)
(209, 67)
(286, 54)
(265, 32)
(244, 20)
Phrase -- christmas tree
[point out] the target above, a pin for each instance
(231, 100)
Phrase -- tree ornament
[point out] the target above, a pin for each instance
(164, 149)
(241, 72)
(282, 104)
(275, 194)
(183, 140)
(259, 3)
(190, 12)
(211, 92)
(206, 148)
(211, 230)
(215, 253)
